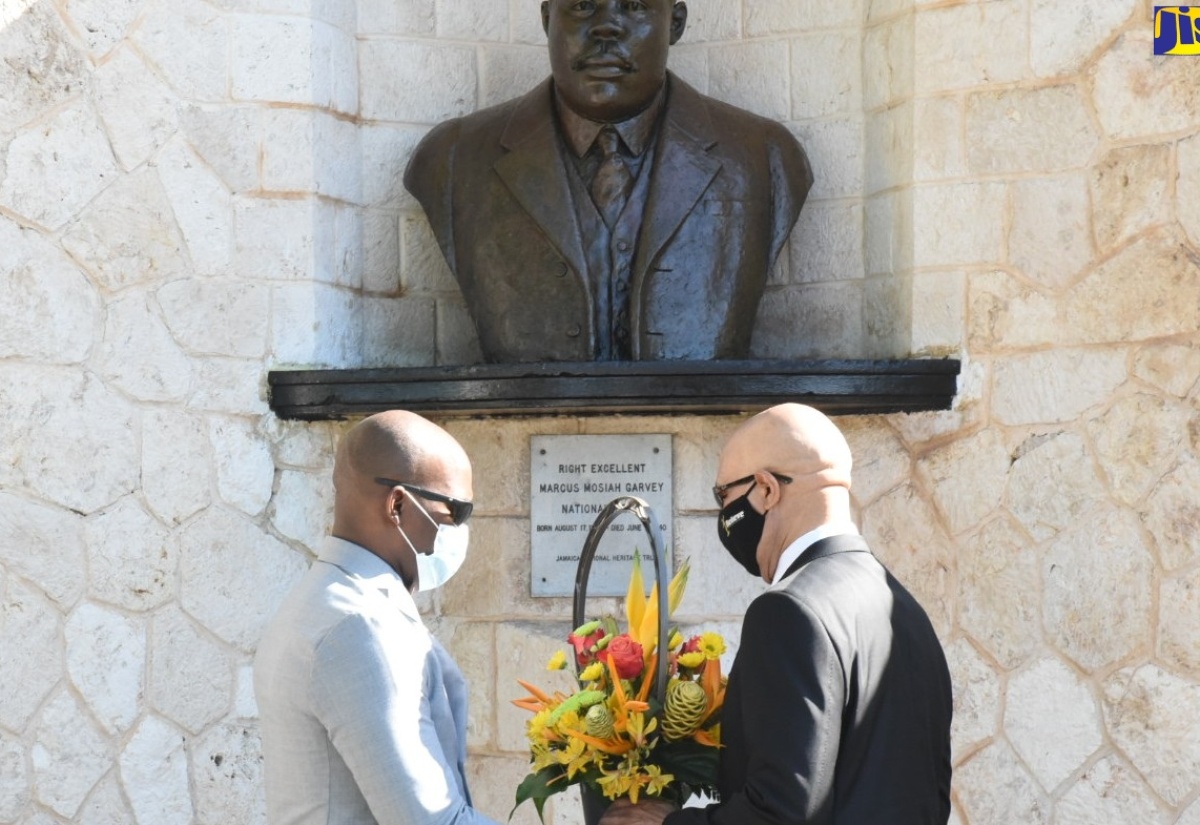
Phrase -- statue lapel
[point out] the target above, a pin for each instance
(683, 169)
(534, 172)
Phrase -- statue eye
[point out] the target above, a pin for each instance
(583, 5)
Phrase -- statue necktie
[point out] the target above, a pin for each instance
(613, 180)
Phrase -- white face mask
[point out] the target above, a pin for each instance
(449, 551)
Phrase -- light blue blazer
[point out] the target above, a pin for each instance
(363, 713)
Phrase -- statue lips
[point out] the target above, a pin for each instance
(603, 65)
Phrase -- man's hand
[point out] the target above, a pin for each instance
(646, 812)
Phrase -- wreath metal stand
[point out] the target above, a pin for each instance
(594, 804)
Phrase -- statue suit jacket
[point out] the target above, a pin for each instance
(363, 713)
(838, 707)
(726, 188)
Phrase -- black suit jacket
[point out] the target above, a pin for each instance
(726, 187)
(839, 703)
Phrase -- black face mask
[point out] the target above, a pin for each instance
(740, 528)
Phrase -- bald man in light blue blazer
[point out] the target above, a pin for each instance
(363, 712)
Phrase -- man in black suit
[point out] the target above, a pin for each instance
(613, 212)
(838, 706)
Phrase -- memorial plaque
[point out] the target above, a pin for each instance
(572, 478)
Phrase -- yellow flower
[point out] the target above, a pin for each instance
(693, 659)
(571, 720)
(543, 756)
(558, 661)
(659, 781)
(616, 784)
(638, 729)
(574, 748)
(536, 726)
(676, 641)
(580, 758)
(712, 645)
(592, 672)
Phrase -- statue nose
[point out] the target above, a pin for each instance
(610, 23)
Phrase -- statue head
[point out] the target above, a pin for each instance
(609, 57)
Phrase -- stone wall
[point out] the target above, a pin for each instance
(193, 193)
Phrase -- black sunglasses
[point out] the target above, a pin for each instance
(719, 490)
(460, 510)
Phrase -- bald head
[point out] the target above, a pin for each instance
(800, 465)
(396, 445)
(792, 439)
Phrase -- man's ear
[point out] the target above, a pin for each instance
(546, 16)
(678, 21)
(770, 486)
(395, 503)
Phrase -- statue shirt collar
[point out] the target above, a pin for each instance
(636, 132)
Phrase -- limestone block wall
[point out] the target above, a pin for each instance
(193, 193)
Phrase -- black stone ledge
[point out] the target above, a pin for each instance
(842, 387)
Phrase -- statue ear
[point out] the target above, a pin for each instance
(678, 21)
(546, 16)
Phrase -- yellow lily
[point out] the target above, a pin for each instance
(657, 780)
(616, 784)
(578, 765)
(638, 729)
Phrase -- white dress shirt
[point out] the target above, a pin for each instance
(797, 547)
(363, 713)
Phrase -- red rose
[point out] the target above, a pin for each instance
(690, 646)
(583, 646)
(626, 655)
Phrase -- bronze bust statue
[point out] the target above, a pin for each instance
(613, 212)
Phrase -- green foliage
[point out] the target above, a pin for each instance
(539, 787)
(693, 764)
(551, 780)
